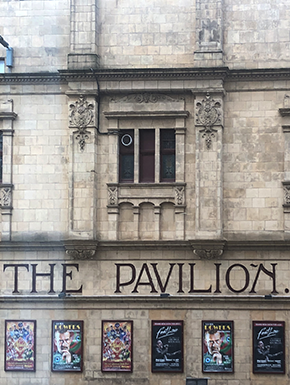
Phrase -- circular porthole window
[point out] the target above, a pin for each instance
(126, 140)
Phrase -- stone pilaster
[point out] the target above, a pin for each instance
(83, 35)
(209, 33)
(82, 185)
(209, 184)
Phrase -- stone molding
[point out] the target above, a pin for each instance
(224, 73)
(192, 244)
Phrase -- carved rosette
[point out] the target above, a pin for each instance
(81, 115)
(208, 253)
(209, 114)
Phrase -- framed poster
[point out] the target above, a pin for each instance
(117, 346)
(167, 346)
(20, 345)
(67, 346)
(269, 347)
(218, 346)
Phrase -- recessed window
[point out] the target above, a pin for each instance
(151, 159)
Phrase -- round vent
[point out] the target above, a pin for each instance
(126, 140)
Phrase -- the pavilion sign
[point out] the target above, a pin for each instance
(146, 278)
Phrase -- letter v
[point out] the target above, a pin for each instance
(162, 288)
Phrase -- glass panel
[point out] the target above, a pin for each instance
(127, 168)
(147, 156)
(167, 155)
(168, 167)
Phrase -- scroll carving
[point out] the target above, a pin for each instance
(81, 116)
(208, 114)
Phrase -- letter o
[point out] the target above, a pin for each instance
(247, 278)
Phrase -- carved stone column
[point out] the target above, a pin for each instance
(83, 35)
(83, 152)
(209, 184)
(209, 33)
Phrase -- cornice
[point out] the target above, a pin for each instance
(145, 301)
(94, 246)
(223, 73)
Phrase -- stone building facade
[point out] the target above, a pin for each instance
(146, 177)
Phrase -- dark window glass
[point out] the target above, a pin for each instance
(167, 155)
(126, 151)
(147, 156)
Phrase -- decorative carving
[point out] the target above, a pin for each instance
(145, 97)
(209, 32)
(208, 253)
(113, 195)
(286, 101)
(179, 195)
(6, 197)
(286, 188)
(81, 254)
(81, 115)
(208, 114)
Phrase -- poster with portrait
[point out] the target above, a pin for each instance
(67, 346)
(20, 345)
(117, 342)
(167, 346)
(217, 346)
(269, 347)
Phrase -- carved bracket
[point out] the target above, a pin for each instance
(208, 249)
(81, 116)
(80, 250)
(209, 114)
